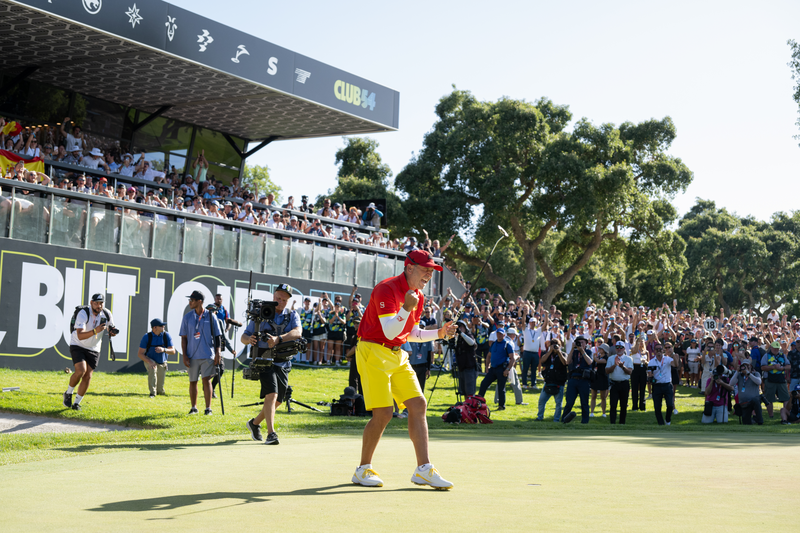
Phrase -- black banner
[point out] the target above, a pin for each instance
(40, 286)
(179, 32)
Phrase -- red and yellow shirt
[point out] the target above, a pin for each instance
(387, 299)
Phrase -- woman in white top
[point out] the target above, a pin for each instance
(693, 355)
(710, 362)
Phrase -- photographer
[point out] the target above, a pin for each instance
(790, 414)
(84, 346)
(717, 391)
(659, 373)
(580, 363)
(749, 383)
(153, 350)
(200, 345)
(284, 327)
(466, 362)
(554, 372)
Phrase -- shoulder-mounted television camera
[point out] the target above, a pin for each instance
(280, 353)
(259, 310)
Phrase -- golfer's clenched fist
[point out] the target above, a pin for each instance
(411, 301)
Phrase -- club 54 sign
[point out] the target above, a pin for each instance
(352, 94)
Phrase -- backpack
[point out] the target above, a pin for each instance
(88, 310)
(470, 411)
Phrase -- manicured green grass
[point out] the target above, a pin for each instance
(122, 399)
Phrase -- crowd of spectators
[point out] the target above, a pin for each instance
(194, 191)
(715, 356)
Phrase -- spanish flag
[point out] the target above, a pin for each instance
(9, 159)
(12, 128)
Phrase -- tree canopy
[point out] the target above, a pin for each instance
(562, 194)
(363, 175)
(740, 263)
(256, 178)
(794, 64)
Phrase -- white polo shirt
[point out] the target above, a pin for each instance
(618, 374)
(662, 371)
(534, 339)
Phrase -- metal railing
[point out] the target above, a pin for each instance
(47, 215)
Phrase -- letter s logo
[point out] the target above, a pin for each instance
(273, 66)
(382, 305)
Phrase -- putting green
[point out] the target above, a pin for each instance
(659, 481)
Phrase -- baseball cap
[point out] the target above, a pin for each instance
(156, 322)
(98, 297)
(796, 388)
(500, 330)
(421, 258)
(512, 331)
(284, 287)
(650, 332)
(197, 295)
(775, 344)
(531, 320)
(620, 344)
(371, 206)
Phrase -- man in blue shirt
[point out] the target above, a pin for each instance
(200, 345)
(284, 327)
(502, 359)
(153, 350)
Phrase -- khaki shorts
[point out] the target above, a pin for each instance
(777, 391)
(201, 367)
(385, 374)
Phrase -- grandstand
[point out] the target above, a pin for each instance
(173, 85)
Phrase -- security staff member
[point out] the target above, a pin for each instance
(660, 368)
(619, 369)
(580, 366)
(200, 346)
(284, 327)
(84, 347)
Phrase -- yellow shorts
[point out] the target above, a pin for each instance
(385, 375)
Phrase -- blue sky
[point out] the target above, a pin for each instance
(719, 69)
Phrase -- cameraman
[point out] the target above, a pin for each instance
(84, 347)
(466, 362)
(659, 372)
(749, 392)
(790, 414)
(284, 327)
(580, 376)
(717, 391)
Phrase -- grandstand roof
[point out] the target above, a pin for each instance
(154, 56)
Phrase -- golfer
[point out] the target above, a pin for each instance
(391, 319)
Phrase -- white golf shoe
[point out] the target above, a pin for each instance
(367, 477)
(428, 475)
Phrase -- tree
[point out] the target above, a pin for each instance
(359, 158)
(740, 262)
(256, 179)
(794, 64)
(562, 194)
(362, 175)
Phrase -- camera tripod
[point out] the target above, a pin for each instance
(447, 352)
(288, 400)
